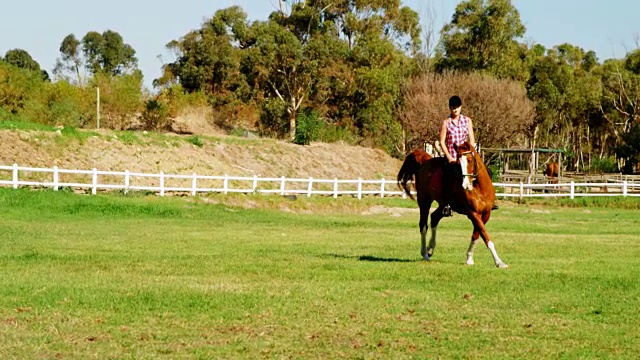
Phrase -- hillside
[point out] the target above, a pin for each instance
(205, 155)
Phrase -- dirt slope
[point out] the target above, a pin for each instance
(218, 155)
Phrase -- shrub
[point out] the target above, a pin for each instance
(606, 165)
(307, 127)
(195, 140)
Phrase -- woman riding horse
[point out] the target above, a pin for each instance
(472, 194)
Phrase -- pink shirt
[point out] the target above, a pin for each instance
(456, 134)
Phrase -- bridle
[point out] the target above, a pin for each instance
(473, 175)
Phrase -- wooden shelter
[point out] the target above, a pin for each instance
(534, 157)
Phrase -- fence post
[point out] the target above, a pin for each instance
(194, 184)
(282, 181)
(310, 187)
(161, 183)
(254, 186)
(94, 182)
(521, 189)
(624, 188)
(127, 180)
(55, 178)
(382, 188)
(335, 188)
(225, 184)
(573, 190)
(15, 176)
(359, 188)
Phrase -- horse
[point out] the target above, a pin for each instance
(552, 172)
(473, 196)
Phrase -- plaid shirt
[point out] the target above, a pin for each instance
(456, 134)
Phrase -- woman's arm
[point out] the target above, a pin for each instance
(472, 137)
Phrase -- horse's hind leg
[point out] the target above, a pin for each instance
(424, 218)
(436, 216)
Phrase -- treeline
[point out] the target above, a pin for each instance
(361, 72)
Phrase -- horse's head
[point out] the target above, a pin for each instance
(468, 163)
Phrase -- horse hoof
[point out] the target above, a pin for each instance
(426, 258)
(470, 263)
(502, 266)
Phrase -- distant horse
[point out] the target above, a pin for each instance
(473, 195)
(551, 172)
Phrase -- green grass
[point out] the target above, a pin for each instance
(24, 125)
(149, 277)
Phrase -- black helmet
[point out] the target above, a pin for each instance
(455, 101)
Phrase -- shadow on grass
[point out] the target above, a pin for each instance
(371, 258)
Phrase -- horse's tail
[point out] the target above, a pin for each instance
(409, 170)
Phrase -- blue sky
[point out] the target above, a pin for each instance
(607, 27)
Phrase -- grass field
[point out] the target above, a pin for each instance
(149, 277)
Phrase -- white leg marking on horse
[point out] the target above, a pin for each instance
(432, 241)
(472, 247)
(496, 258)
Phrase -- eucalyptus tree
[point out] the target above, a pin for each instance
(343, 59)
(71, 60)
(106, 53)
(566, 87)
(22, 59)
(621, 105)
(483, 36)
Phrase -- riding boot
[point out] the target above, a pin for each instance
(446, 210)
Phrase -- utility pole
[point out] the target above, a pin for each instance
(98, 107)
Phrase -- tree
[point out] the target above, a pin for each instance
(501, 112)
(108, 53)
(621, 105)
(22, 59)
(277, 60)
(567, 91)
(70, 60)
(206, 59)
(482, 36)
(343, 59)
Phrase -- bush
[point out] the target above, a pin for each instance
(195, 140)
(606, 165)
(307, 127)
(156, 115)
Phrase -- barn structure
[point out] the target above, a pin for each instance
(523, 158)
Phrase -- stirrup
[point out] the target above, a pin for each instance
(446, 211)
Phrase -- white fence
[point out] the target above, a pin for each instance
(193, 184)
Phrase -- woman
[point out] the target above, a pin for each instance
(454, 130)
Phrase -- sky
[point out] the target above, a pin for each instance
(607, 27)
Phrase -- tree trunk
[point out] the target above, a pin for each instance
(292, 119)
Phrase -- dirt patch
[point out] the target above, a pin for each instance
(218, 155)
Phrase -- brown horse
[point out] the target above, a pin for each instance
(473, 196)
(551, 172)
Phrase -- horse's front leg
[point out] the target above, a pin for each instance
(479, 224)
(472, 246)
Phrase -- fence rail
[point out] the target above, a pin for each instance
(98, 180)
